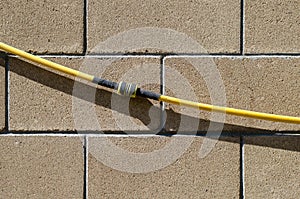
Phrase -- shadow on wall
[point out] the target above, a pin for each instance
(139, 109)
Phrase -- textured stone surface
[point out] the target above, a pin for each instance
(188, 176)
(271, 167)
(212, 24)
(41, 167)
(41, 100)
(268, 85)
(272, 26)
(43, 26)
(2, 94)
(145, 114)
(149, 166)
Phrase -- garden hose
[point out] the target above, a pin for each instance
(132, 90)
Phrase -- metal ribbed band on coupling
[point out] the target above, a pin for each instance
(127, 89)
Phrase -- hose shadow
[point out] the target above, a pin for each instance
(139, 108)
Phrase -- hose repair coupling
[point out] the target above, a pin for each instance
(127, 89)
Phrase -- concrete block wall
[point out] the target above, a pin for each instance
(63, 138)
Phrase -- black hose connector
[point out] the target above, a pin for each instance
(147, 94)
(127, 89)
(105, 83)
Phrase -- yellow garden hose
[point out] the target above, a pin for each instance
(132, 90)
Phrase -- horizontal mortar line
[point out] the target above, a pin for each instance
(143, 132)
(173, 56)
(83, 135)
(254, 56)
(41, 134)
(273, 54)
(151, 135)
(162, 54)
(125, 132)
(216, 135)
(270, 56)
(101, 56)
(93, 56)
(195, 54)
(50, 54)
(139, 135)
(129, 54)
(102, 135)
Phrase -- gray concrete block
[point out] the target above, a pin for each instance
(265, 85)
(41, 167)
(169, 26)
(271, 167)
(188, 176)
(43, 26)
(42, 100)
(272, 26)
